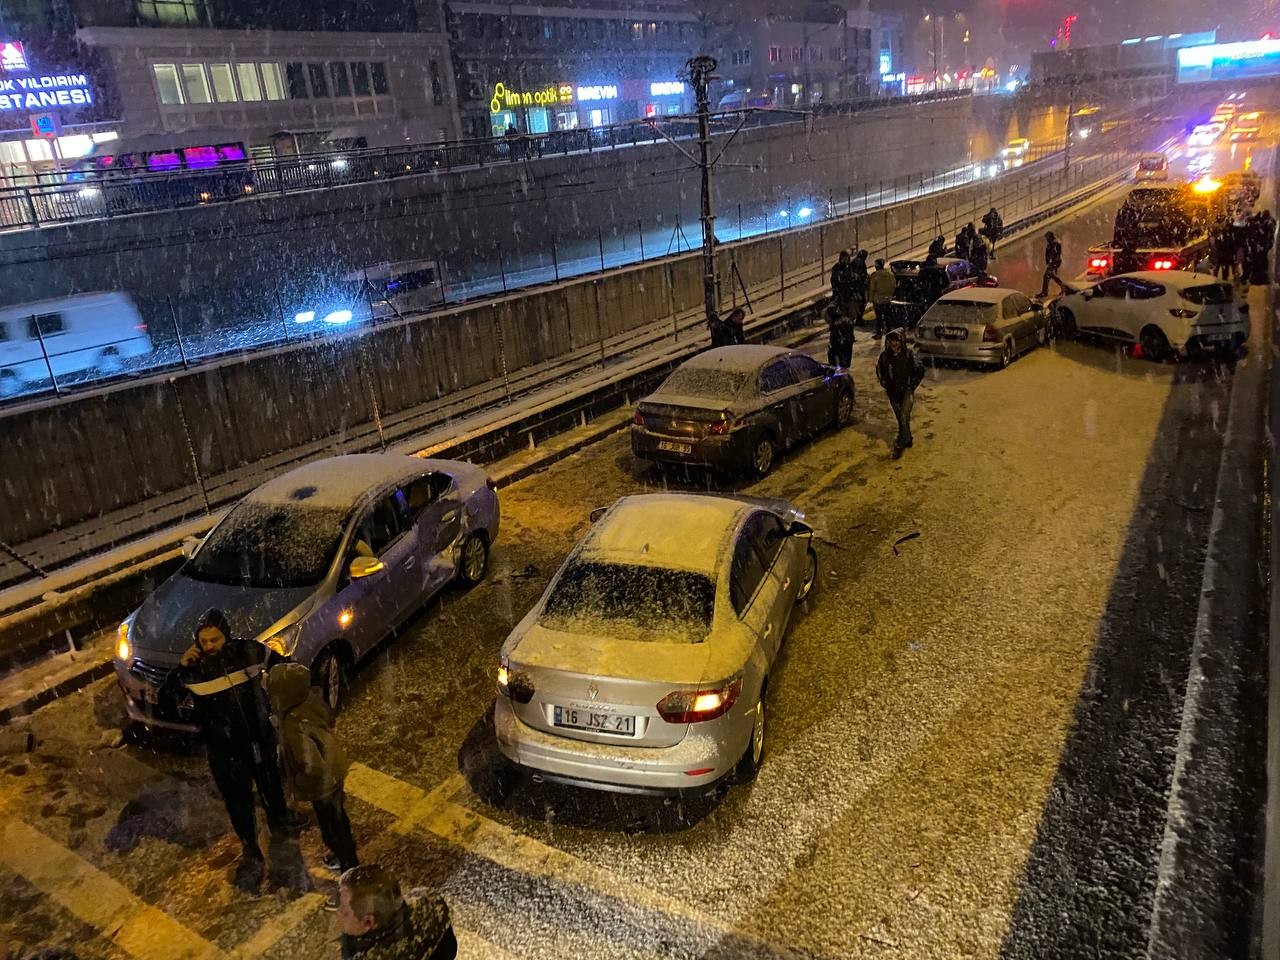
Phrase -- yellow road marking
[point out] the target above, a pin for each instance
(89, 894)
(274, 930)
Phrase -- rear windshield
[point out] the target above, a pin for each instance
(711, 382)
(1209, 294)
(270, 546)
(631, 603)
(1152, 163)
(961, 311)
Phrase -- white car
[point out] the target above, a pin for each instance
(1166, 312)
(1205, 134)
(1152, 166)
(644, 667)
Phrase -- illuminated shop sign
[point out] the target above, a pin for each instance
(12, 56)
(1229, 61)
(605, 91)
(504, 98)
(42, 92)
(667, 88)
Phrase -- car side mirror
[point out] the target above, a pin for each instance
(362, 567)
(597, 513)
(190, 545)
(799, 528)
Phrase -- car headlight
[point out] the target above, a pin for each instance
(285, 641)
(124, 648)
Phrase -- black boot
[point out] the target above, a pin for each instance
(249, 872)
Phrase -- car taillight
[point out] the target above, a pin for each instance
(1099, 263)
(515, 685)
(1182, 314)
(638, 419)
(1162, 263)
(697, 706)
(990, 334)
(723, 427)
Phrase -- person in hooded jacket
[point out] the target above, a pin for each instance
(378, 923)
(939, 247)
(222, 675)
(900, 372)
(315, 765)
(992, 228)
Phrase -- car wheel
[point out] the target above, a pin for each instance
(1155, 345)
(1066, 326)
(1042, 335)
(762, 454)
(749, 765)
(810, 575)
(1006, 354)
(475, 560)
(844, 410)
(329, 673)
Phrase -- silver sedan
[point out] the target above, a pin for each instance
(644, 668)
(991, 325)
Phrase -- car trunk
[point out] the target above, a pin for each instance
(1216, 302)
(682, 416)
(575, 676)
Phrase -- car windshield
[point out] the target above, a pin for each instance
(1152, 163)
(630, 602)
(270, 545)
(709, 382)
(962, 311)
(1213, 293)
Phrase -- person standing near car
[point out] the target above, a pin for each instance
(315, 765)
(900, 372)
(840, 339)
(993, 228)
(939, 247)
(840, 282)
(1052, 264)
(223, 677)
(858, 283)
(883, 285)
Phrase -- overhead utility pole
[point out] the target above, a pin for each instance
(701, 70)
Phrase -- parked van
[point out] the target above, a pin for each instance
(85, 336)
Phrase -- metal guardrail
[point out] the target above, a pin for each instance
(60, 199)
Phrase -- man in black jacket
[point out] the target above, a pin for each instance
(842, 283)
(222, 676)
(900, 371)
(1052, 264)
(379, 923)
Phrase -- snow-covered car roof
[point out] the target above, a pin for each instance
(675, 531)
(742, 358)
(978, 295)
(339, 482)
(1173, 278)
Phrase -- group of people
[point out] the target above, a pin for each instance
(1242, 249)
(270, 728)
(853, 286)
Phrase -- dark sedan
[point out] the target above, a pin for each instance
(918, 288)
(732, 409)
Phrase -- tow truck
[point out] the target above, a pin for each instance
(1167, 228)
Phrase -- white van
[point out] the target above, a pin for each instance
(89, 334)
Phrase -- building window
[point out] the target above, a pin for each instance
(297, 81)
(746, 56)
(167, 82)
(247, 74)
(775, 54)
(341, 83)
(224, 87)
(272, 85)
(378, 73)
(319, 85)
(196, 83)
(360, 79)
(172, 12)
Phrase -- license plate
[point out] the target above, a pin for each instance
(599, 722)
(952, 333)
(670, 447)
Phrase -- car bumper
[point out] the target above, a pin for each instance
(617, 769)
(150, 705)
(966, 350)
(1228, 337)
(721, 452)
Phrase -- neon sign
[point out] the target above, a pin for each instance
(666, 88)
(12, 55)
(41, 92)
(504, 98)
(606, 91)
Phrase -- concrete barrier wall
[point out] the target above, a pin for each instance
(87, 455)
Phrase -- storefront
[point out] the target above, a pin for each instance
(540, 110)
(664, 98)
(50, 115)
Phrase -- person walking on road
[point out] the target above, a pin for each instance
(840, 339)
(315, 765)
(900, 371)
(1052, 264)
(883, 285)
(858, 283)
(222, 675)
(992, 229)
(841, 281)
(379, 923)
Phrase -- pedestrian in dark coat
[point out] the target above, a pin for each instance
(1221, 250)
(939, 247)
(962, 243)
(315, 765)
(1261, 240)
(721, 335)
(1052, 264)
(978, 254)
(735, 323)
(900, 371)
(378, 923)
(858, 286)
(841, 283)
(222, 675)
(840, 338)
(992, 228)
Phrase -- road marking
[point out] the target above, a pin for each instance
(485, 838)
(89, 894)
